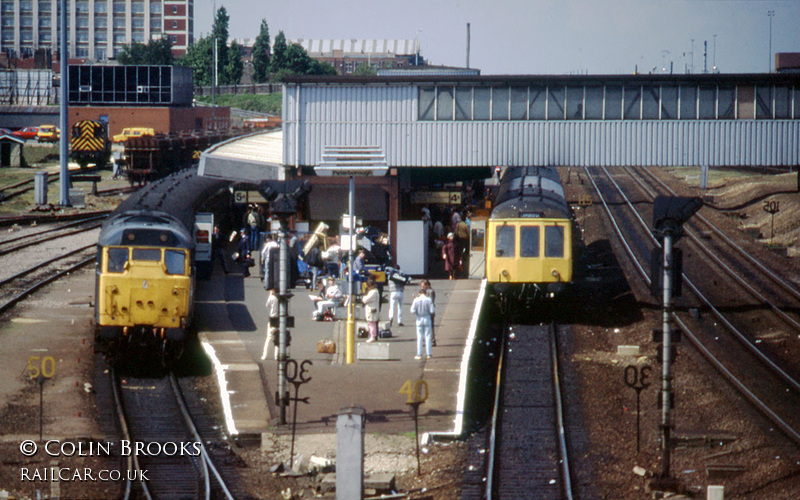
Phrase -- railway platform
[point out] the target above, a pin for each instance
(232, 322)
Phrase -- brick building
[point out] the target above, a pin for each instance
(97, 29)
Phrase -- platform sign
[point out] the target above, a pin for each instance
(436, 197)
(252, 196)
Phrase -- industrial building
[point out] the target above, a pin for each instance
(98, 29)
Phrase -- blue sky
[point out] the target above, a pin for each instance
(541, 36)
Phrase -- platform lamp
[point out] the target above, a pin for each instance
(669, 215)
(283, 197)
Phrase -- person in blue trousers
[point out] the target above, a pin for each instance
(423, 308)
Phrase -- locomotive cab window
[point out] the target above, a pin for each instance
(147, 254)
(529, 241)
(117, 259)
(175, 260)
(505, 241)
(554, 241)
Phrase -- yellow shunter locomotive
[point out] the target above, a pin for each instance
(529, 236)
(89, 143)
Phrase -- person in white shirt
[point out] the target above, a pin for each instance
(331, 298)
(423, 308)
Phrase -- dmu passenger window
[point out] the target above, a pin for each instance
(150, 254)
(117, 257)
(175, 261)
(554, 241)
(529, 241)
(505, 241)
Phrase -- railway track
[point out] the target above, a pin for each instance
(172, 461)
(771, 388)
(526, 443)
(39, 256)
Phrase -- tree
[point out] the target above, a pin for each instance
(278, 61)
(219, 36)
(365, 69)
(235, 68)
(321, 68)
(155, 52)
(261, 55)
(199, 57)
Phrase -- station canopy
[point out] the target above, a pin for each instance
(251, 158)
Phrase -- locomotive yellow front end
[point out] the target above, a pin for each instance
(142, 286)
(145, 280)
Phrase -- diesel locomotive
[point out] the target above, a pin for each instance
(145, 267)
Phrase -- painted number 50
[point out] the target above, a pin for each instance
(45, 367)
(417, 392)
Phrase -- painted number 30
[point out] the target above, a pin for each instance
(44, 367)
(417, 392)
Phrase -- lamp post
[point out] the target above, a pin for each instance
(416, 48)
(63, 122)
(770, 14)
(352, 162)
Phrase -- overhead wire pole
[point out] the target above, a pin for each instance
(64, 200)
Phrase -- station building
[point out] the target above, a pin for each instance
(439, 129)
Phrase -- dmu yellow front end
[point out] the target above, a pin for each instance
(528, 251)
(530, 236)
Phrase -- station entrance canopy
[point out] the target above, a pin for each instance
(253, 158)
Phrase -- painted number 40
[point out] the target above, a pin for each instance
(417, 392)
(44, 367)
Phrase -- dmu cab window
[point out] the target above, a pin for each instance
(554, 241)
(175, 261)
(529, 241)
(148, 254)
(117, 258)
(505, 241)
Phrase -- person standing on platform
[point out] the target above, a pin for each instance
(431, 293)
(452, 260)
(218, 250)
(372, 311)
(244, 253)
(423, 308)
(396, 288)
(251, 223)
(462, 241)
(272, 331)
(267, 251)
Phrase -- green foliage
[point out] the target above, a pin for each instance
(365, 69)
(280, 75)
(155, 52)
(199, 57)
(264, 103)
(235, 68)
(261, 54)
(279, 49)
(321, 68)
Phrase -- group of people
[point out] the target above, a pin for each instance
(452, 246)
(423, 307)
